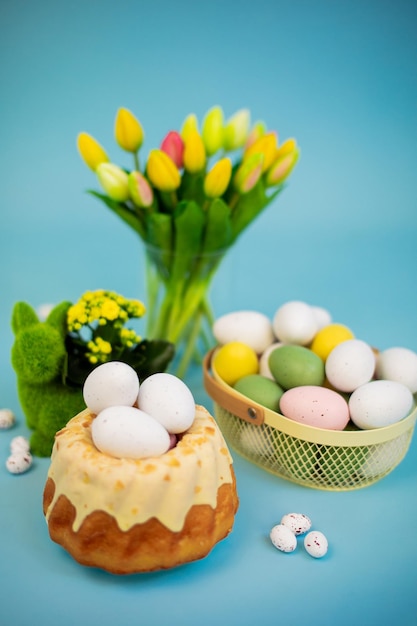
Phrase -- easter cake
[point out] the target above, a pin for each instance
(127, 515)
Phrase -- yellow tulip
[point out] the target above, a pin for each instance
(248, 173)
(236, 130)
(91, 151)
(212, 130)
(190, 124)
(266, 145)
(282, 168)
(218, 178)
(128, 131)
(114, 181)
(194, 153)
(289, 145)
(162, 171)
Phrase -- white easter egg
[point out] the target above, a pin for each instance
(323, 317)
(399, 364)
(295, 322)
(298, 523)
(350, 365)
(379, 403)
(19, 462)
(283, 538)
(19, 445)
(169, 400)
(7, 418)
(128, 432)
(111, 384)
(249, 327)
(316, 544)
(264, 360)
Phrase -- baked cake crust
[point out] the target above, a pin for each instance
(191, 510)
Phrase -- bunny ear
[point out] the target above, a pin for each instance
(58, 317)
(23, 316)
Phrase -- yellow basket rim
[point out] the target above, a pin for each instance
(254, 413)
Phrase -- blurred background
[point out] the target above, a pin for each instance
(340, 77)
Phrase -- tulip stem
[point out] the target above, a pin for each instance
(136, 160)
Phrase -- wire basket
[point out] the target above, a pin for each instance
(314, 457)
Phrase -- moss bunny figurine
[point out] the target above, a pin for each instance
(39, 358)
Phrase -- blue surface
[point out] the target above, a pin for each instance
(341, 78)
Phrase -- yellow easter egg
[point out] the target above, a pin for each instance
(234, 360)
(328, 338)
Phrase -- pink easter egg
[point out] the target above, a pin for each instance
(315, 406)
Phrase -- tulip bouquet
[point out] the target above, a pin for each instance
(189, 201)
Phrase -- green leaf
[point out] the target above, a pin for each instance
(249, 206)
(192, 187)
(76, 366)
(121, 210)
(150, 357)
(159, 229)
(147, 357)
(189, 222)
(218, 231)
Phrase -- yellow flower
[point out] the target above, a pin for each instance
(194, 153)
(248, 173)
(236, 130)
(289, 145)
(162, 171)
(218, 178)
(99, 350)
(212, 130)
(76, 317)
(135, 308)
(129, 337)
(114, 181)
(91, 151)
(266, 145)
(109, 310)
(190, 124)
(282, 168)
(128, 131)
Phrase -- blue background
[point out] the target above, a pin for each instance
(342, 78)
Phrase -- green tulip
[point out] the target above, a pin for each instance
(212, 130)
(140, 190)
(248, 173)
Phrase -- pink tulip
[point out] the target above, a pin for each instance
(173, 146)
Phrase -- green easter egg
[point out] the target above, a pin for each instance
(260, 389)
(295, 366)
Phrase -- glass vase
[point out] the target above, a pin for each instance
(178, 302)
